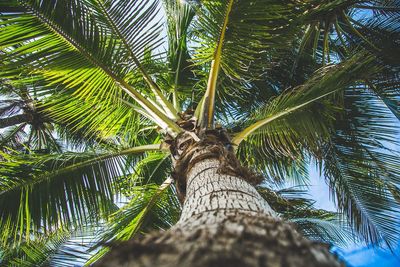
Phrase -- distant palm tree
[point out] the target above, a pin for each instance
(106, 125)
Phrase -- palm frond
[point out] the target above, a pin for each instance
(152, 207)
(13, 138)
(330, 231)
(76, 52)
(141, 15)
(50, 191)
(234, 36)
(58, 248)
(361, 168)
(21, 112)
(331, 27)
(316, 224)
(34, 253)
(324, 82)
(179, 18)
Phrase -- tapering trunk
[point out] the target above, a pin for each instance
(224, 222)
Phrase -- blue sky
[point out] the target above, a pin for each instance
(368, 257)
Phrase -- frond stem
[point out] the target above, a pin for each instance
(356, 32)
(252, 128)
(166, 105)
(159, 117)
(207, 119)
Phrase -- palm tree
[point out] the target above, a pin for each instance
(199, 138)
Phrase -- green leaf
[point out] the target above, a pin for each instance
(325, 82)
(50, 191)
(361, 168)
(151, 207)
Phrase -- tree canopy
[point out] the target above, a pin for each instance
(92, 90)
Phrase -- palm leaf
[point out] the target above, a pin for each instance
(151, 207)
(234, 36)
(85, 45)
(57, 190)
(124, 15)
(361, 169)
(179, 18)
(333, 26)
(325, 82)
(328, 231)
(54, 249)
(321, 225)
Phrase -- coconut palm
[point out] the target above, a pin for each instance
(199, 133)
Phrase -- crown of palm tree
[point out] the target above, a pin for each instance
(92, 90)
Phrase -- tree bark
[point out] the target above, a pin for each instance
(224, 222)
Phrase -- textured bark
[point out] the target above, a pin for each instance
(224, 222)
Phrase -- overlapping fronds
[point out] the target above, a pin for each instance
(152, 207)
(333, 26)
(361, 166)
(119, 17)
(330, 230)
(367, 150)
(97, 120)
(293, 81)
(34, 253)
(180, 78)
(294, 205)
(48, 191)
(74, 50)
(239, 32)
(387, 87)
(234, 36)
(323, 83)
(23, 123)
(55, 249)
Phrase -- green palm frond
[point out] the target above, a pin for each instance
(34, 253)
(251, 28)
(126, 14)
(152, 169)
(94, 119)
(78, 55)
(152, 207)
(152, 203)
(317, 224)
(234, 35)
(384, 32)
(58, 248)
(13, 138)
(386, 87)
(331, 231)
(25, 123)
(332, 26)
(362, 169)
(325, 82)
(50, 191)
(179, 18)
(277, 168)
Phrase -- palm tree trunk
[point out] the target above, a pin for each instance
(224, 222)
(211, 196)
